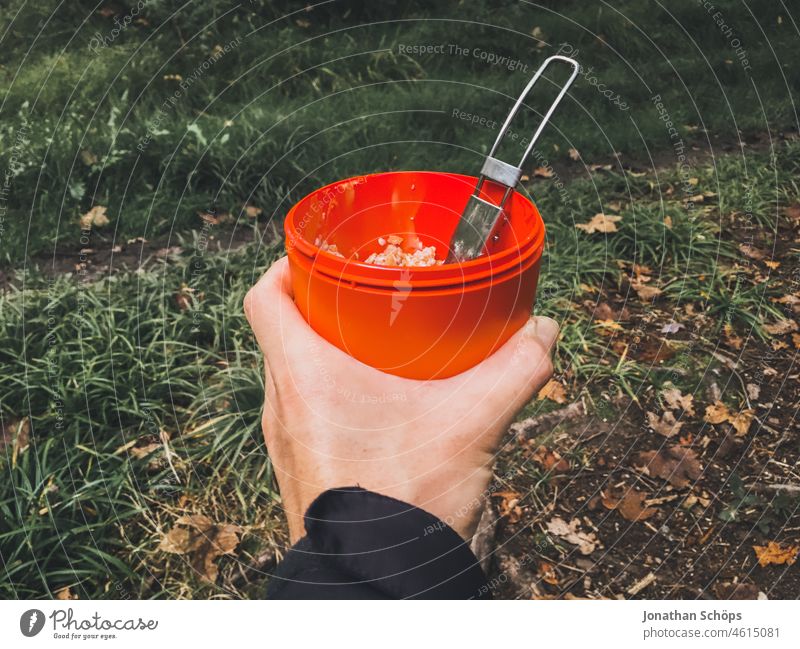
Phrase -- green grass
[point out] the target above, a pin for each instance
(101, 368)
(304, 98)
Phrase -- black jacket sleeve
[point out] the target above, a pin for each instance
(362, 545)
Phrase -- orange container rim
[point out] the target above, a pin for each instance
(360, 272)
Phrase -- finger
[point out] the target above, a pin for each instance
(269, 306)
(510, 377)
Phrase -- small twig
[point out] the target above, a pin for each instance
(793, 488)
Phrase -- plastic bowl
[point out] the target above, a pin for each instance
(420, 322)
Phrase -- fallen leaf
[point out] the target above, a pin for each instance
(570, 532)
(677, 465)
(753, 391)
(554, 391)
(665, 425)
(772, 264)
(600, 222)
(509, 505)
(550, 460)
(718, 413)
(742, 420)
(542, 172)
(573, 154)
(547, 572)
(751, 251)
(781, 327)
(208, 217)
(668, 222)
(796, 341)
(675, 399)
(630, 505)
(252, 211)
(596, 167)
(184, 298)
(645, 292)
(95, 217)
(652, 350)
(88, 158)
(731, 336)
(203, 540)
(776, 554)
(793, 213)
(672, 327)
(65, 594)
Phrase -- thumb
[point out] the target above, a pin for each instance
(516, 371)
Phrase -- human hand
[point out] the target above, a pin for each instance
(331, 421)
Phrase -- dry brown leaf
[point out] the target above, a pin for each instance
(731, 337)
(742, 420)
(547, 572)
(554, 391)
(630, 505)
(88, 158)
(570, 532)
(793, 213)
(645, 292)
(65, 594)
(718, 413)
(666, 425)
(184, 298)
(543, 172)
(672, 327)
(573, 154)
(781, 327)
(772, 264)
(203, 540)
(796, 341)
(677, 465)
(675, 399)
(95, 217)
(252, 211)
(508, 507)
(550, 460)
(600, 222)
(776, 554)
(751, 251)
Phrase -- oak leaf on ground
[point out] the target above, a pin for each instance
(600, 222)
(776, 554)
(677, 465)
(571, 532)
(630, 504)
(203, 540)
(554, 391)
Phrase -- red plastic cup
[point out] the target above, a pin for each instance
(419, 322)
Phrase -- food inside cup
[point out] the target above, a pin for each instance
(394, 253)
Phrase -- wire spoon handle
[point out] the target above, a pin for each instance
(480, 217)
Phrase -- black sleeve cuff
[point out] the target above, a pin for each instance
(362, 545)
